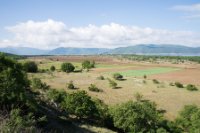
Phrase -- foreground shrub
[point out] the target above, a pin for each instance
(67, 67)
(136, 116)
(117, 76)
(189, 119)
(30, 66)
(56, 96)
(178, 84)
(191, 87)
(80, 104)
(93, 87)
(18, 123)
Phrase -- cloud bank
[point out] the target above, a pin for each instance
(191, 11)
(51, 34)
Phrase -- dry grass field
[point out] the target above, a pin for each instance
(169, 98)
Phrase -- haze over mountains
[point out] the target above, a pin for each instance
(146, 49)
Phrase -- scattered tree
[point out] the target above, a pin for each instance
(178, 84)
(67, 67)
(70, 85)
(93, 87)
(191, 87)
(30, 66)
(117, 76)
(52, 68)
(112, 83)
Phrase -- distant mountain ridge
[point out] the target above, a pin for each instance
(146, 49)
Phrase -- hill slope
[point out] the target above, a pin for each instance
(157, 50)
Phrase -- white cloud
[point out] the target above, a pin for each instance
(192, 11)
(52, 34)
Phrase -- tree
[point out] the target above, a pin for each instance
(117, 76)
(52, 68)
(87, 64)
(38, 84)
(136, 116)
(67, 67)
(13, 83)
(80, 104)
(191, 87)
(30, 66)
(178, 84)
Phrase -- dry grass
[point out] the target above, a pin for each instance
(167, 97)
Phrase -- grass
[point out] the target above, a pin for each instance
(140, 73)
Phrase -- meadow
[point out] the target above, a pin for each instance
(167, 97)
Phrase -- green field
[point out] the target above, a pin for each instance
(151, 71)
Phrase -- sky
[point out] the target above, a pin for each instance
(48, 24)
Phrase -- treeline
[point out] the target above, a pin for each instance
(33, 106)
(152, 58)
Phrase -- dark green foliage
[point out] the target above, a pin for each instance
(13, 84)
(38, 84)
(100, 77)
(112, 83)
(87, 64)
(155, 81)
(93, 87)
(117, 76)
(80, 104)
(17, 122)
(70, 85)
(191, 87)
(52, 68)
(189, 119)
(178, 84)
(145, 76)
(67, 67)
(136, 116)
(30, 66)
(56, 96)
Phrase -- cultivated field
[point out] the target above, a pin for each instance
(167, 97)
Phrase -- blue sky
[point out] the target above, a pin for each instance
(171, 15)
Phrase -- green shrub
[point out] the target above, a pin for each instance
(191, 87)
(87, 64)
(70, 85)
(117, 76)
(138, 96)
(93, 87)
(38, 84)
(136, 116)
(67, 67)
(80, 104)
(178, 84)
(145, 76)
(155, 81)
(100, 77)
(30, 66)
(52, 68)
(56, 96)
(112, 83)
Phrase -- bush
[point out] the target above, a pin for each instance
(138, 96)
(191, 87)
(56, 96)
(100, 77)
(70, 85)
(38, 84)
(188, 119)
(67, 67)
(52, 68)
(112, 84)
(145, 76)
(80, 104)
(117, 76)
(87, 64)
(178, 84)
(30, 66)
(136, 116)
(93, 87)
(155, 81)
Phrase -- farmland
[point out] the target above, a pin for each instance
(169, 98)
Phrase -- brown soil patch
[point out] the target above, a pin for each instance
(186, 76)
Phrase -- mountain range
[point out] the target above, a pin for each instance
(146, 49)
